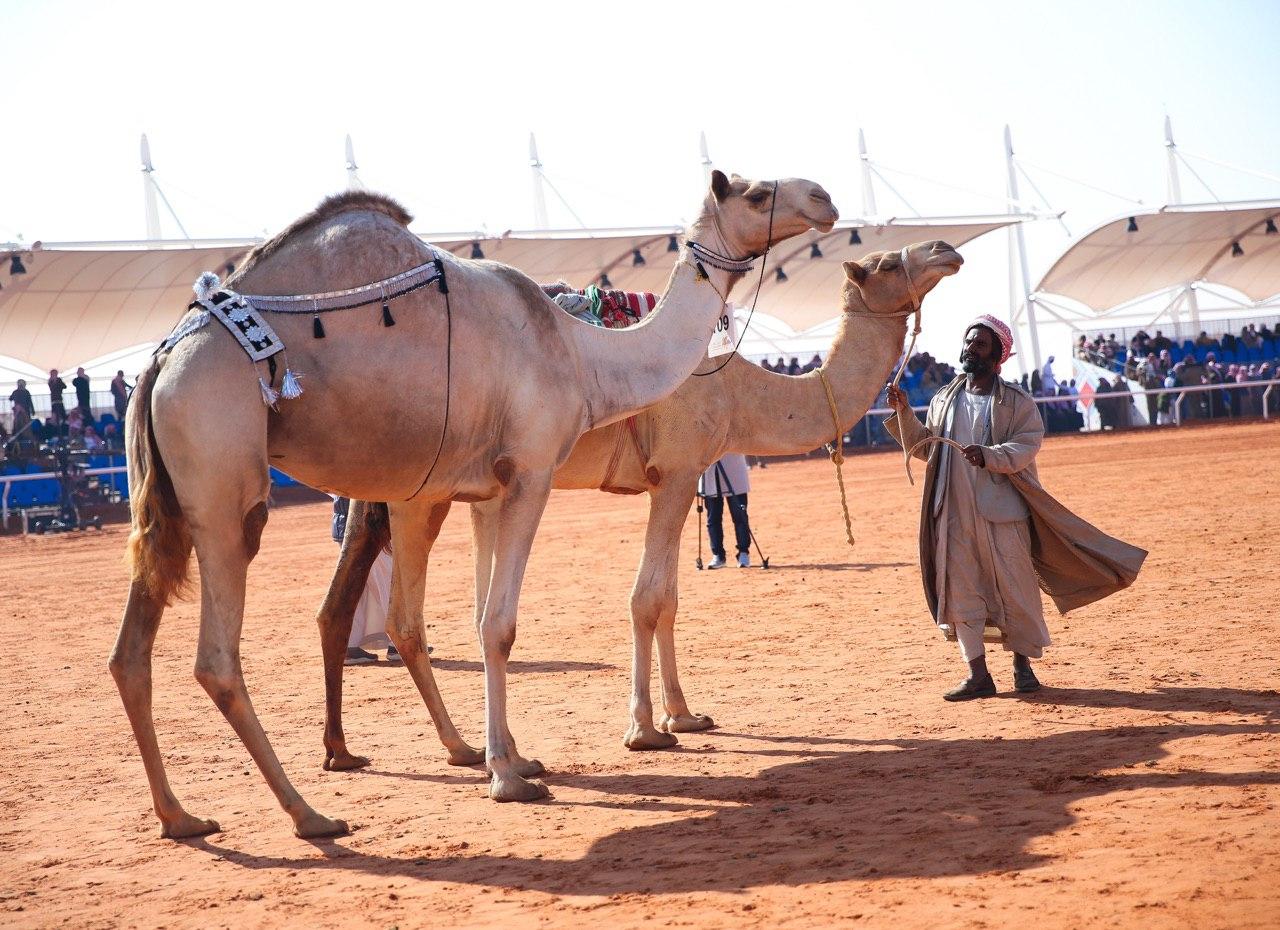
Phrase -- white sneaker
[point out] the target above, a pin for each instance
(717, 562)
(744, 560)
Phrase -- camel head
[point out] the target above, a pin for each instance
(741, 209)
(879, 282)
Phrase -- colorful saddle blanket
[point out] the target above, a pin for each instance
(610, 309)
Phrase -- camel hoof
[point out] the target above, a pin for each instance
(686, 723)
(314, 826)
(516, 788)
(344, 762)
(638, 739)
(527, 768)
(187, 826)
(466, 756)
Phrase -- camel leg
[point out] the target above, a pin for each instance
(131, 667)
(414, 528)
(484, 529)
(516, 523)
(668, 513)
(224, 561)
(360, 548)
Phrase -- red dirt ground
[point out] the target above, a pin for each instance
(1141, 788)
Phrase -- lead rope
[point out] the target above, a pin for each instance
(915, 308)
(924, 442)
(837, 453)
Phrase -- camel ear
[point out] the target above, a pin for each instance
(854, 272)
(719, 185)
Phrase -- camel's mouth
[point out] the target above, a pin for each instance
(948, 263)
(824, 225)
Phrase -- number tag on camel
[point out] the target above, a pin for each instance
(725, 336)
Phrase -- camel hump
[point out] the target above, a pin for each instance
(335, 204)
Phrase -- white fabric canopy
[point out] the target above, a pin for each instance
(1172, 246)
(99, 306)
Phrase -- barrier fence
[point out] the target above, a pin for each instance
(1264, 393)
(873, 433)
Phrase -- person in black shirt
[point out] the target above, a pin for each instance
(56, 387)
(81, 383)
(21, 397)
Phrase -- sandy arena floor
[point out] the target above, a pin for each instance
(1141, 788)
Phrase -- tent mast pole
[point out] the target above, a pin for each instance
(353, 179)
(150, 206)
(1175, 197)
(1015, 231)
(539, 196)
(868, 189)
(706, 160)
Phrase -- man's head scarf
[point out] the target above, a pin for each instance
(1002, 333)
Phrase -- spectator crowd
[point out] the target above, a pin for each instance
(76, 429)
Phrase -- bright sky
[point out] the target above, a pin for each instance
(246, 106)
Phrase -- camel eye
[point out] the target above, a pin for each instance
(756, 198)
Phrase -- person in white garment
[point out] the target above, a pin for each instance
(727, 480)
(369, 626)
(977, 561)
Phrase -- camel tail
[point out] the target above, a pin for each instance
(159, 551)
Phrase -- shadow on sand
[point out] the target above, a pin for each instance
(849, 808)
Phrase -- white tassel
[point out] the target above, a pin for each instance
(289, 387)
(205, 285)
(269, 395)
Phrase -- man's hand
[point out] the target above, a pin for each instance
(898, 398)
(975, 457)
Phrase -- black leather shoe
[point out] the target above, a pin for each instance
(972, 688)
(1025, 680)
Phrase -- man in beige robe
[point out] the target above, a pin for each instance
(990, 536)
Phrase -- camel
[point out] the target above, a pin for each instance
(742, 408)
(477, 394)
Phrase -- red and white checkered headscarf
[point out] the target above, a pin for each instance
(1000, 329)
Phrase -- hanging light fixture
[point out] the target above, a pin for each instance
(672, 244)
(814, 251)
(1133, 225)
(1271, 227)
(604, 280)
(780, 275)
(15, 264)
(854, 238)
(636, 258)
(1236, 251)
(476, 251)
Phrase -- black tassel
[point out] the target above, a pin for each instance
(387, 318)
(317, 328)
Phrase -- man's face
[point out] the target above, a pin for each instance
(977, 355)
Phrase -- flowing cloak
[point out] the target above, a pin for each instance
(1075, 562)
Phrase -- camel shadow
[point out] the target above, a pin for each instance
(837, 566)
(517, 667)
(849, 809)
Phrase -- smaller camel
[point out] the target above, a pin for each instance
(742, 408)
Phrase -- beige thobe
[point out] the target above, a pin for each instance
(984, 569)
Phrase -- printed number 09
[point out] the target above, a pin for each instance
(722, 325)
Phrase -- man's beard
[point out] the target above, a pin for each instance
(972, 365)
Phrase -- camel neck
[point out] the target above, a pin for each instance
(777, 414)
(625, 371)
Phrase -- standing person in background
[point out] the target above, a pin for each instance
(21, 397)
(369, 625)
(81, 383)
(120, 394)
(56, 387)
(727, 479)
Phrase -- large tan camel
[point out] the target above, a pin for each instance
(742, 408)
(519, 378)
